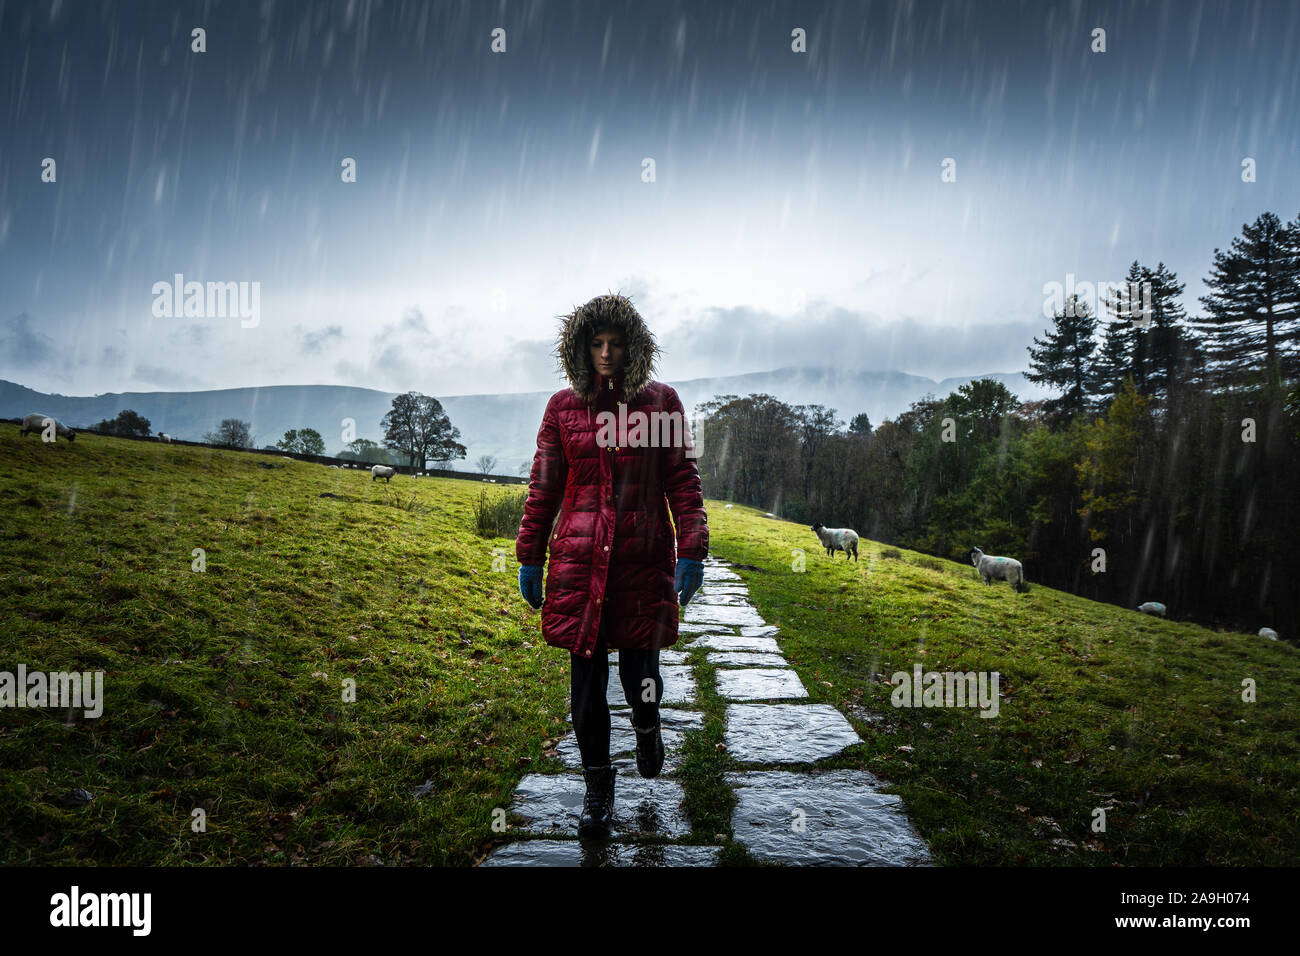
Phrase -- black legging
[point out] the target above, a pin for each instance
(588, 683)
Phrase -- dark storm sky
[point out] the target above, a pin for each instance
(796, 217)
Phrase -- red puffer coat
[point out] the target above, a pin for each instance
(612, 547)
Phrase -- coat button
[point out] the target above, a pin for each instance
(606, 547)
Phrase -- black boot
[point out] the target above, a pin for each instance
(598, 803)
(649, 749)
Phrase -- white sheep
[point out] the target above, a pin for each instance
(992, 567)
(1269, 633)
(837, 539)
(163, 436)
(1153, 607)
(385, 472)
(36, 423)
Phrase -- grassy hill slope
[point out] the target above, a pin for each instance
(224, 687)
(1102, 708)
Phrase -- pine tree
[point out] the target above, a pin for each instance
(1147, 338)
(860, 425)
(1253, 325)
(1173, 349)
(1064, 360)
(1124, 349)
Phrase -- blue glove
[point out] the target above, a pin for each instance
(530, 584)
(689, 577)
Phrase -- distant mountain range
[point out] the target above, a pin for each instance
(501, 425)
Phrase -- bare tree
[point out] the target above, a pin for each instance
(485, 464)
(231, 433)
(420, 430)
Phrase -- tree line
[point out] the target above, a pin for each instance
(1164, 469)
(416, 430)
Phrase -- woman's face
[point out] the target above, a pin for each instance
(607, 352)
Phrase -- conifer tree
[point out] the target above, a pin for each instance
(1124, 349)
(1147, 338)
(1252, 329)
(1064, 360)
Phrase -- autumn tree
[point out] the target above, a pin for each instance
(1108, 475)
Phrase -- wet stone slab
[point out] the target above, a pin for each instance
(846, 821)
(760, 630)
(666, 656)
(599, 853)
(685, 629)
(786, 733)
(717, 574)
(731, 616)
(679, 687)
(722, 587)
(721, 642)
(760, 683)
(746, 659)
(674, 724)
(715, 599)
(550, 804)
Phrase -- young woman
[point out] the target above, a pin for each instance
(612, 583)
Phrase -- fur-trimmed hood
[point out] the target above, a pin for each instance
(575, 336)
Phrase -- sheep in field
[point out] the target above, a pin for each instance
(36, 423)
(837, 539)
(992, 567)
(1268, 632)
(385, 472)
(1152, 607)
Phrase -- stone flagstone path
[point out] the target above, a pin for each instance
(829, 817)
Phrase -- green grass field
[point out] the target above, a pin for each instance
(224, 688)
(1103, 708)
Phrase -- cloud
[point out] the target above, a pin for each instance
(168, 378)
(397, 350)
(454, 351)
(352, 373)
(21, 344)
(738, 340)
(197, 334)
(528, 366)
(315, 342)
(111, 357)
(413, 322)
(717, 341)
